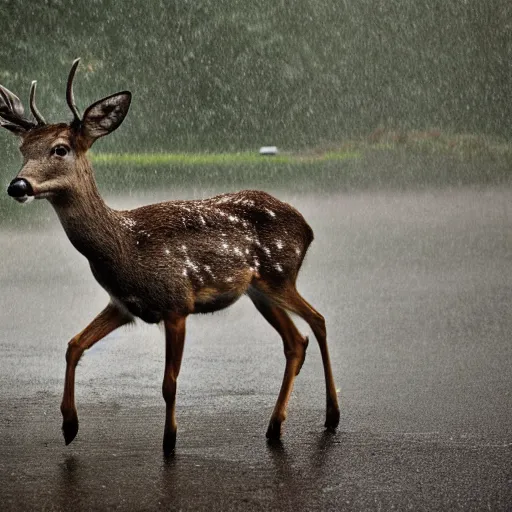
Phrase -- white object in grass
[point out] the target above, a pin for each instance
(268, 150)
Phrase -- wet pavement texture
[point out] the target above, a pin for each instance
(416, 289)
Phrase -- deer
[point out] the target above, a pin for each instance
(162, 262)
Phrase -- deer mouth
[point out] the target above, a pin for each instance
(21, 190)
(24, 199)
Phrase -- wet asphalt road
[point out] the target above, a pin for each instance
(416, 289)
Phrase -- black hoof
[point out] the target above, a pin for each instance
(274, 430)
(169, 443)
(332, 418)
(276, 445)
(70, 430)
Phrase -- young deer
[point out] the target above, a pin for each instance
(165, 261)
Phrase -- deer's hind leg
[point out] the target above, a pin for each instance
(294, 350)
(287, 297)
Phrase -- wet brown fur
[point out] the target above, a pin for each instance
(165, 261)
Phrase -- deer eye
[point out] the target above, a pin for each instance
(60, 150)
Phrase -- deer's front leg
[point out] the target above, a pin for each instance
(174, 342)
(109, 319)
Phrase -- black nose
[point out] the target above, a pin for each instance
(20, 187)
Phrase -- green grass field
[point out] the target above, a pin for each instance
(226, 159)
(419, 143)
(386, 160)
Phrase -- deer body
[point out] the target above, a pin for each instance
(166, 261)
(194, 256)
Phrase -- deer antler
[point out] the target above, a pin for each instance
(69, 92)
(12, 112)
(35, 112)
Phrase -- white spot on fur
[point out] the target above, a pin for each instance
(167, 251)
(297, 251)
(266, 250)
(128, 223)
(278, 267)
(279, 244)
(190, 264)
(270, 212)
(208, 269)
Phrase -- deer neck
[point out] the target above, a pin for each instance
(91, 226)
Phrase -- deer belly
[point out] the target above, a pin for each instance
(209, 300)
(137, 308)
(131, 306)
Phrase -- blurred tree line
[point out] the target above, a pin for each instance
(230, 74)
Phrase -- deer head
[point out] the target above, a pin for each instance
(54, 155)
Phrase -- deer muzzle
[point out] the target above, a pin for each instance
(20, 189)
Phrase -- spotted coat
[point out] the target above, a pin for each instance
(199, 256)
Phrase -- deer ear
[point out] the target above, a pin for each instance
(105, 115)
(14, 128)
